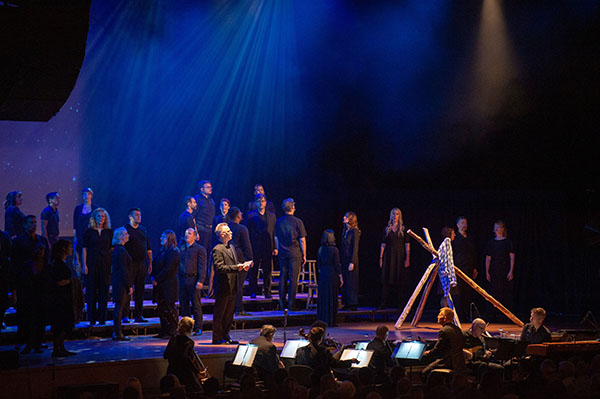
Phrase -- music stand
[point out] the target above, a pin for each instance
(361, 345)
(363, 356)
(244, 355)
(291, 347)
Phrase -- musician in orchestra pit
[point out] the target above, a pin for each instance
(382, 353)
(266, 360)
(535, 332)
(476, 354)
(317, 356)
(448, 350)
(182, 359)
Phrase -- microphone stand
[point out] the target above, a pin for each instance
(285, 321)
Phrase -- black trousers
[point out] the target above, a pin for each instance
(98, 280)
(239, 295)
(205, 239)
(139, 272)
(223, 315)
(121, 300)
(289, 267)
(262, 260)
(189, 294)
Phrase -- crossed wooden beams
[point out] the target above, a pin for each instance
(428, 279)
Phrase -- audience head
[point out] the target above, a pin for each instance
(382, 332)
(403, 386)
(185, 326)
(288, 205)
(120, 236)
(446, 315)
(223, 232)
(397, 373)
(366, 376)
(347, 390)
(300, 392)
(168, 382)
(235, 214)
(190, 203)
(211, 386)
(53, 198)
(135, 383)
(327, 383)
(247, 381)
(61, 249)
(268, 331)
(131, 393)
(328, 238)
(280, 375)
(99, 219)
(168, 239)
(537, 317)
(14, 198)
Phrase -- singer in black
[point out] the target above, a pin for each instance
(186, 220)
(164, 279)
(139, 248)
(63, 316)
(122, 280)
(50, 218)
(192, 270)
(261, 227)
(225, 260)
(13, 217)
(97, 244)
(350, 239)
(5, 283)
(330, 278)
(205, 212)
(81, 222)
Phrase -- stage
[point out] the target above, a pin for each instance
(105, 360)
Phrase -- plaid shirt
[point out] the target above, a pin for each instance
(446, 270)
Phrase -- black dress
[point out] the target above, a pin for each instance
(63, 313)
(164, 272)
(13, 221)
(328, 264)
(500, 287)
(98, 247)
(393, 272)
(350, 241)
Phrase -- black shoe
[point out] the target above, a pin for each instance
(243, 313)
(59, 354)
(232, 342)
(37, 349)
(140, 320)
(26, 350)
(125, 320)
(120, 338)
(92, 323)
(102, 323)
(268, 296)
(69, 353)
(197, 332)
(219, 342)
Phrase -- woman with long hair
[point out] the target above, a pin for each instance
(394, 259)
(97, 245)
(64, 314)
(330, 278)
(13, 217)
(500, 265)
(164, 279)
(350, 239)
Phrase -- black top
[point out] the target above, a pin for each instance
(471, 342)
(329, 257)
(98, 247)
(465, 254)
(181, 357)
(53, 219)
(122, 277)
(192, 260)
(262, 231)
(205, 211)
(241, 240)
(289, 230)
(533, 336)
(449, 347)
(500, 251)
(13, 221)
(252, 206)
(81, 221)
(266, 357)
(318, 356)
(23, 249)
(186, 221)
(164, 272)
(349, 253)
(138, 244)
(382, 355)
